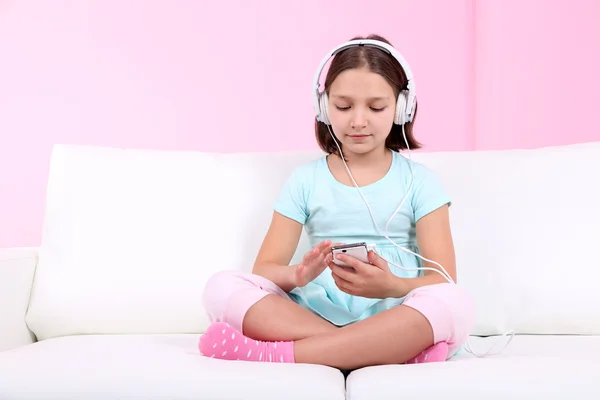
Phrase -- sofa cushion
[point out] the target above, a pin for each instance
(525, 226)
(130, 236)
(108, 367)
(531, 367)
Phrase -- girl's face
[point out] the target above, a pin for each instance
(362, 106)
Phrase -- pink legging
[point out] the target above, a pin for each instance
(449, 309)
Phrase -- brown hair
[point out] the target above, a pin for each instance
(379, 62)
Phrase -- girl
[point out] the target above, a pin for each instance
(372, 313)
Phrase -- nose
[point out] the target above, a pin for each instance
(359, 120)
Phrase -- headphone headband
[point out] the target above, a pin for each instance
(411, 87)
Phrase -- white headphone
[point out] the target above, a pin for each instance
(407, 99)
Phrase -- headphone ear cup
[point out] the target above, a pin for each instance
(324, 108)
(401, 104)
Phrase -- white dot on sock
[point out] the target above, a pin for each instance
(281, 359)
(249, 352)
(223, 331)
(275, 345)
(214, 345)
(212, 356)
(270, 358)
(256, 342)
(223, 355)
(426, 356)
(223, 342)
(260, 357)
(236, 349)
(245, 340)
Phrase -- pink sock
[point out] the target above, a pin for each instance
(436, 353)
(223, 341)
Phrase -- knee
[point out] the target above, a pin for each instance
(462, 306)
(449, 308)
(218, 290)
(458, 302)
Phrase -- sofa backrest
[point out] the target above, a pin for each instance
(131, 236)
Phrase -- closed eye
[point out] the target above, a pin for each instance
(372, 108)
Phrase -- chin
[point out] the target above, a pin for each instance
(357, 148)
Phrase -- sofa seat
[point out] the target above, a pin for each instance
(531, 367)
(147, 367)
(169, 366)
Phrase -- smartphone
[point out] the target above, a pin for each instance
(356, 250)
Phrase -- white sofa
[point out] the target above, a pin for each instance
(109, 305)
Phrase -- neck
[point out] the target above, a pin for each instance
(374, 157)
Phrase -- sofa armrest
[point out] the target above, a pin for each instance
(17, 268)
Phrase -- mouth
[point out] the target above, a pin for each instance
(358, 137)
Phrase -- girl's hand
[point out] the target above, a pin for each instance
(374, 280)
(313, 263)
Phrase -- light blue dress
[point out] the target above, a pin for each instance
(331, 210)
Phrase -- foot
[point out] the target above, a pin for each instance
(436, 353)
(223, 341)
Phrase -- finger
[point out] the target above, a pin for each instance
(316, 262)
(343, 273)
(308, 257)
(350, 261)
(333, 264)
(319, 261)
(337, 278)
(322, 246)
(315, 252)
(330, 248)
(376, 260)
(343, 285)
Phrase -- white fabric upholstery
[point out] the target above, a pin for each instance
(525, 224)
(17, 267)
(131, 237)
(153, 367)
(532, 367)
(168, 366)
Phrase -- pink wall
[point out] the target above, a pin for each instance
(156, 74)
(536, 81)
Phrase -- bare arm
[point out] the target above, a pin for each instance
(277, 250)
(434, 239)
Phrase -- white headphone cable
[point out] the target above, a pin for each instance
(443, 271)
